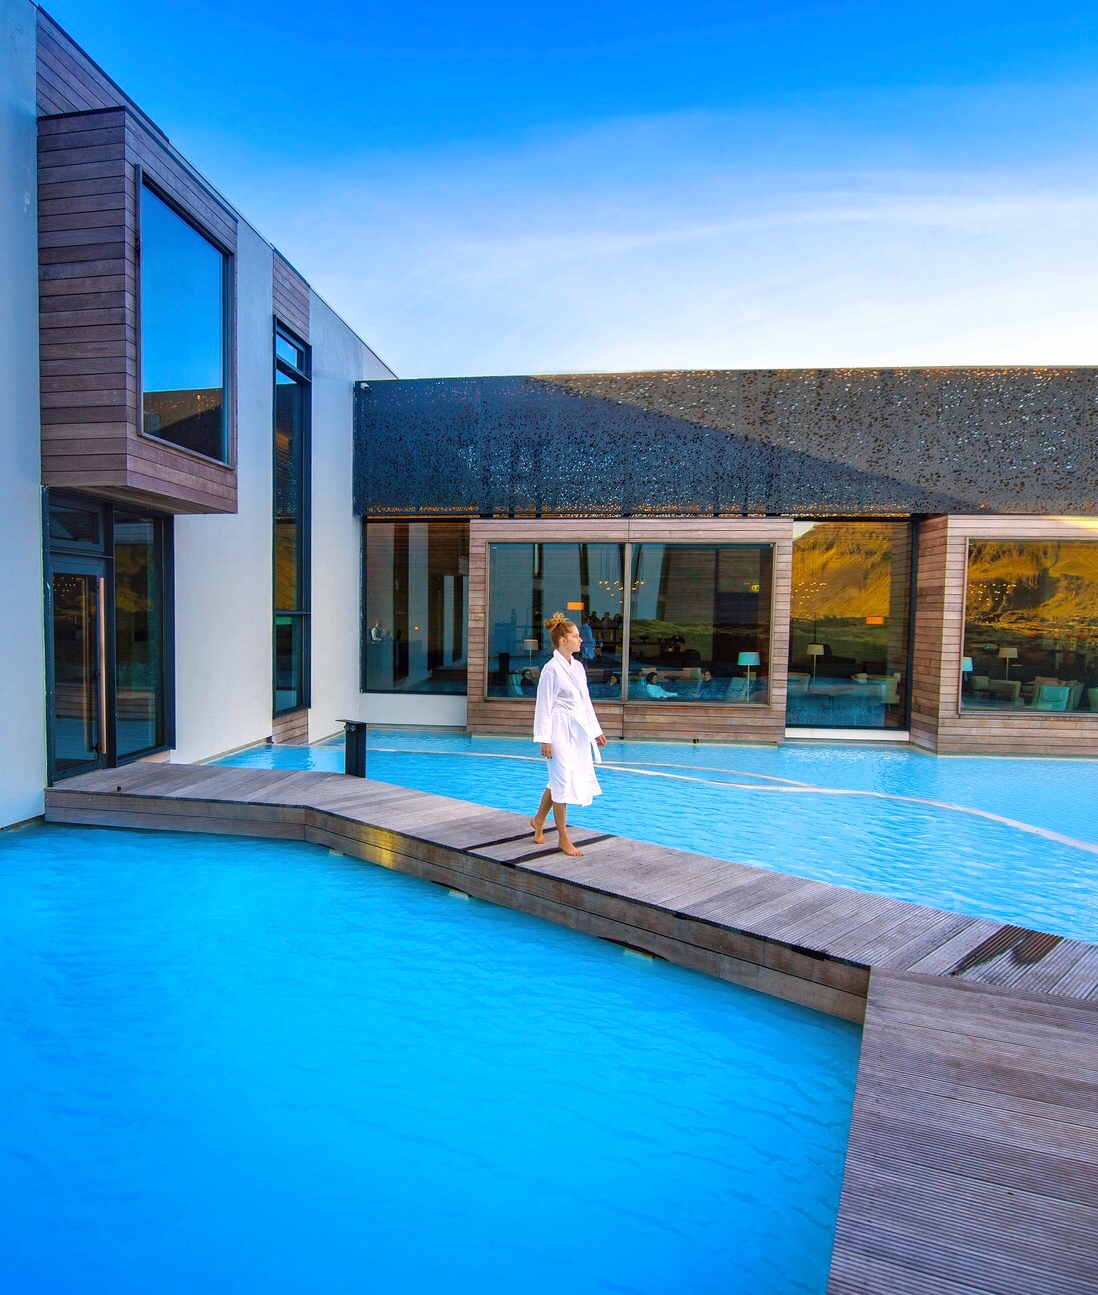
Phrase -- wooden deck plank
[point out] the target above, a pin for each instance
(962, 1132)
(1082, 980)
(922, 938)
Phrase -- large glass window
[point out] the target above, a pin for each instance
(527, 583)
(138, 634)
(417, 607)
(183, 316)
(1031, 626)
(848, 641)
(695, 626)
(291, 523)
(700, 623)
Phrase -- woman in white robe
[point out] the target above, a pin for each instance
(569, 733)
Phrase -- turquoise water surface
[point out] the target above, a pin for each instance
(250, 1066)
(1009, 839)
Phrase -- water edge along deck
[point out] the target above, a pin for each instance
(972, 1164)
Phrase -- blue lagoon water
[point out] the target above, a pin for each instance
(240, 1065)
(1014, 840)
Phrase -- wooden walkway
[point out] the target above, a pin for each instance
(972, 1166)
(973, 1162)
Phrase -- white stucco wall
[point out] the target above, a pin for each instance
(22, 659)
(223, 564)
(414, 710)
(339, 359)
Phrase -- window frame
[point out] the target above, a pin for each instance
(143, 180)
(629, 547)
(1022, 710)
(302, 376)
(99, 559)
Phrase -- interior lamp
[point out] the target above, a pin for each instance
(815, 650)
(966, 665)
(750, 660)
(530, 645)
(1008, 655)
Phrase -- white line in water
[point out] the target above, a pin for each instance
(803, 788)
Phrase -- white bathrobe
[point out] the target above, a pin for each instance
(565, 717)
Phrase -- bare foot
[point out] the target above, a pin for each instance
(568, 848)
(539, 838)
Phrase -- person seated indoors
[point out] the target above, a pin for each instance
(528, 683)
(707, 686)
(653, 688)
(609, 688)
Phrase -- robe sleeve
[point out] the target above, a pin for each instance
(543, 709)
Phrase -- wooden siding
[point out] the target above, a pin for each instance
(88, 312)
(291, 297)
(291, 729)
(937, 720)
(657, 720)
(68, 80)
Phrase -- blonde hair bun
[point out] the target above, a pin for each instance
(558, 626)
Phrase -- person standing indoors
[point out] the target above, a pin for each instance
(569, 733)
(587, 641)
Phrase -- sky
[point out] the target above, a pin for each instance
(493, 188)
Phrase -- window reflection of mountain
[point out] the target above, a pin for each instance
(844, 570)
(1039, 586)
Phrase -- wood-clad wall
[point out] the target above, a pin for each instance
(664, 720)
(937, 721)
(68, 81)
(291, 729)
(291, 297)
(88, 184)
(87, 297)
(91, 141)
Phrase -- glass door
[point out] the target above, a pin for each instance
(77, 700)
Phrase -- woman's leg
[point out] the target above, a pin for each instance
(538, 821)
(564, 841)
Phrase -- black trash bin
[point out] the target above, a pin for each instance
(354, 748)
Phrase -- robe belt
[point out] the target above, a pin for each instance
(581, 720)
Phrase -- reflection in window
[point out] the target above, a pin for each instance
(527, 583)
(71, 525)
(700, 623)
(75, 720)
(417, 607)
(848, 641)
(291, 525)
(139, 636)
(289, 663)
(1031, 626)
(182, 332)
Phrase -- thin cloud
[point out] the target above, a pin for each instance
(546, 259)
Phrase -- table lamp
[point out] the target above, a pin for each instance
(530, 645)
(815, 650)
